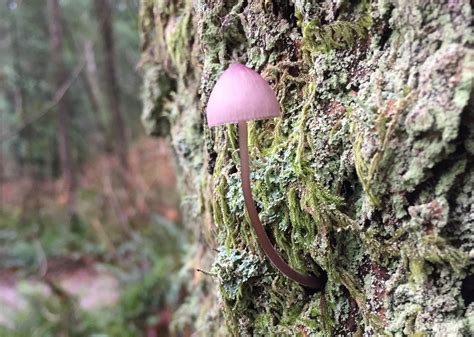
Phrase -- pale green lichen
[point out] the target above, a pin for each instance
(367, 177)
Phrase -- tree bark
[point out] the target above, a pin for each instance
(91, 83)
(104, 17)
(60, 77)
(24, 160)
(367, 178)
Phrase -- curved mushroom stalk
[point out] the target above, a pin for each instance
(270, 251)
(240, 95)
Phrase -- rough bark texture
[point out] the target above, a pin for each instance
(367, 178)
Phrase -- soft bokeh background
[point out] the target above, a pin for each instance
(88, 235)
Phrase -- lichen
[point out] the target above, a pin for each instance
(367, 177)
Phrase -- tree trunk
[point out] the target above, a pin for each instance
(366, 178)
(104, 17)
(93, 90)
(91, 84)
(24, 160)
(60, 77)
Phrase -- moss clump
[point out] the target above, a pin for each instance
(319, 38)
(178, 39)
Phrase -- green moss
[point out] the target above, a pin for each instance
(436, 250)
(348, 182)
(177, 42)
(262, 322)
(157, 89)
(417, 272)
(385, 126)
(321, 38)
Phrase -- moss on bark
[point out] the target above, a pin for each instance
(367, 177)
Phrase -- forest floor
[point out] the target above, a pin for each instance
(91, 262)
(92, 286)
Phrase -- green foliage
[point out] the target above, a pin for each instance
(57, 314)
(116, 226)
(144, 293)
(28, 129)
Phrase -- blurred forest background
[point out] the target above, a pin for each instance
(89, 227)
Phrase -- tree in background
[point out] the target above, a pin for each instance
(25, 84)
(104, 14)
(26, 164)
(31, 132)
(53, 101)
(63, 110)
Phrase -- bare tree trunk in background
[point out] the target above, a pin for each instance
(2, 168)
(26, 167)
(19, 94)
(94, 92)
(104, 17)
(91, 84)
(56, 47)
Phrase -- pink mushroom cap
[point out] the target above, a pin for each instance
(241, 94)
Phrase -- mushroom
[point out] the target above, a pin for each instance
(240, 95)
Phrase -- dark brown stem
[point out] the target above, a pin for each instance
(270, 251)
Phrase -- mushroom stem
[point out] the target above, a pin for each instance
(270, 251)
